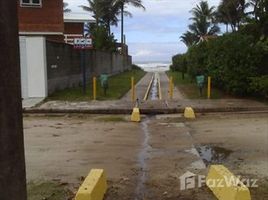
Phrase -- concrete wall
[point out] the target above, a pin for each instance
(64, 70)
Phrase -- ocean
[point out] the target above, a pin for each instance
(154, 66)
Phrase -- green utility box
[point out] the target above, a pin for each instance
(104, 82)
(200, 80)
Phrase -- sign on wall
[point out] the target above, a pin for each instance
(83, 43)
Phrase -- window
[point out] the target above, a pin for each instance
(31, 3)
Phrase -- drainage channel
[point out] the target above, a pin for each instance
(142, 161)
(153, 91)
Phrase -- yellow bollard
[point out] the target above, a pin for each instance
(225, 185)
(94, 88)
(189, 113)
(171, 87)
(209, 87)
(135, 116)
(94, 186)
(133, 89)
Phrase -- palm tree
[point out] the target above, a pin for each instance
(222, 16)
(122, 4)
(65, 7)
(110, 13)
(260, 8)
(189, 39)
(95, 7)
(204, 20)
(232, 12)
(203, 10)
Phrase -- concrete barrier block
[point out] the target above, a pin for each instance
(93, 187)
(135, 117)
(225, 186)
(189, 113)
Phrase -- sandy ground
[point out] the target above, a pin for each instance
(145, 160)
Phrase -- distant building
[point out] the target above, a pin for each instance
(74, 25)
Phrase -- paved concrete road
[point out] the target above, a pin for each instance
(177, 95)
(141, 88)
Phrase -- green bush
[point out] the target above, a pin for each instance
(179, 63)
(259, 86)
(237, 63)
(232, 60)
(197, 59)
(102, 40)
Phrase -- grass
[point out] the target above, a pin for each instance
(189, 88)
(48, 191)
(119, 85)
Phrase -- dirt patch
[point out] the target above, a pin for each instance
(112, 119)
(146, 160)
(48, 191)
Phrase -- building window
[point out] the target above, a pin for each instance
(31, 3)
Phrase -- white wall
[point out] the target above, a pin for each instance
(34, 58)
(23, 68)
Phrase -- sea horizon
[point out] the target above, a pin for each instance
(154, 65)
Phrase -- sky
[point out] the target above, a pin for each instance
(154, 35)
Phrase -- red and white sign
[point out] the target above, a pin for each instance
(83, 43)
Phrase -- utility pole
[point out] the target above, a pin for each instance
(12, 160)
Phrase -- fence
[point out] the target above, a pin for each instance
(64, 70)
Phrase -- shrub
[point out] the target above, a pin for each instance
(237, 63)
(179, 64)
(259, 86)
(232, 60)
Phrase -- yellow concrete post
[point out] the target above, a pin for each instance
(94, 88)
(94, 186)
(225, 185)
(171, 87)
(132, 89)
(209, 87)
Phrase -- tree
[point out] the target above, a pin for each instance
(12, 160)
(122, 4)
(232, 12)
(102, 40)
(65, 7)
(222, 16)
(260, 16)
(189, 39)
(95, 7)
(204, 20)
(260, 8)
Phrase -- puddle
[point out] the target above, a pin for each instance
(142, 158)
(213, 154)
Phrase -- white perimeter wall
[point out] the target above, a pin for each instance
(33, 66)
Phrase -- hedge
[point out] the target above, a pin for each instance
(237, 63)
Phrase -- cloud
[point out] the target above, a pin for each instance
(154, 34)
(154, 51)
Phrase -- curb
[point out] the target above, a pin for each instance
(144, 111)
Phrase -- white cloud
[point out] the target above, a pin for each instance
(154, 51)
(154, 34)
